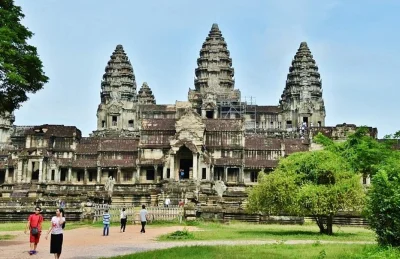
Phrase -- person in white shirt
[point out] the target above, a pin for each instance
(143, 218)
(167, 202)
(56, 229)
(124, 218)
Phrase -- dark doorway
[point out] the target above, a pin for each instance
(80, 175)
(186, 164)
(305, 119)
(209, 114)
(2, 176)
(112, 173)
(63, 176)
(185, 160)
(35, 175)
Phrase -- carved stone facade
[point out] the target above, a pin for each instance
(143, 146)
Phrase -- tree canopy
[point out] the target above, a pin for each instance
(21, 70)
(316, 184)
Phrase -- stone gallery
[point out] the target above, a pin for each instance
(205, 151)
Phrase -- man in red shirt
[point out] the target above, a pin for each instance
(34, 221)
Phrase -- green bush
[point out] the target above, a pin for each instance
(181, 234)
(383, 206)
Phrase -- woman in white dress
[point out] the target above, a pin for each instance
(56, 230)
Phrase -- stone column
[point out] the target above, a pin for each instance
(19, 172)
(172, 167)
(118, 175)
(6, 175)
(211, 173)
(85, 176)
(69, 174)
(225, 174)
(164, 172)
(195, 166)
(98, 174)
(241, 174)
(133, 177)
(138, 173)
(40, 178)
(29, 172)
(58, 176)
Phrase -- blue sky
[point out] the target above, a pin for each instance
(356, 45)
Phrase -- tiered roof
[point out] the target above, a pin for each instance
(145, 95)
(119, 79)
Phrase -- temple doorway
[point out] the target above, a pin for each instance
(185, 157)
(2, 177)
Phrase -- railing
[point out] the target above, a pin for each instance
(154, 213)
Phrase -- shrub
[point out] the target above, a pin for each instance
(383, 207)
(181, 234)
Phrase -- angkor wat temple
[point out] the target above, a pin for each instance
(141, 146)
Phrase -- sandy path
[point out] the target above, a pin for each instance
(88, 243)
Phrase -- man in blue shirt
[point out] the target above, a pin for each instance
(106, 222)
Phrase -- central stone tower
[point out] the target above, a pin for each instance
(214, 80)
(301, 100)
(117, 110)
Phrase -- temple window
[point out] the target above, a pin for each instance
(209, 114)
(204, 173)
(103, 124)
(319, 123)
(288, 124)
(253, 177)
(53, 174)
(130, 123)
(114, 120)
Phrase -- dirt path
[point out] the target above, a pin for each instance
(88, 243)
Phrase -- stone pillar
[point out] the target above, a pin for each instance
(19, 172)
(138, 173)
(211, 173)
(6, 175)
(133, 177)
(172, 167)
(195, 166)
(85, 176)
(118, 175)
(40, 178)
(225, 174)
(98, 174)
(58, 176)
(49, 174)
(29, 172)
(164, 172)
(69, 174)
(241, 174)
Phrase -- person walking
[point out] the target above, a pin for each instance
(167, 202)
(124, 218)
(56, 230)
(106, 223)
(34, 226)
(143, 218)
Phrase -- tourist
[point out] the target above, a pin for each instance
(181, 174)
(106, 223)
(124, 218)
(167, 202)
(35, 228)
(143, 218)
(56, 230)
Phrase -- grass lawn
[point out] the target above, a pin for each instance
(20, 226)
(271, 252)
(217, 231)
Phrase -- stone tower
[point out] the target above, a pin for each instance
(301, 100)
(117, 110)
(145, 95)
(214, 76)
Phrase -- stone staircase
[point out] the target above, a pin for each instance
(20, 190)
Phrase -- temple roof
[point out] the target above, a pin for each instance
(54, 131)
(158, 124)
(119, 77)
(214, 64)
(223, 124)
(145, 95)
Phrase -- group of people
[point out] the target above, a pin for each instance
(34, 226)
(35, 220)
(123, 219)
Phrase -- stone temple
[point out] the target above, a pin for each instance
(218, 138)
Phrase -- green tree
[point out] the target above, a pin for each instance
(20, 67)
(317, 184)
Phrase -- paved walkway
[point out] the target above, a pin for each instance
(88, 243)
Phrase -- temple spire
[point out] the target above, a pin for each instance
(145, 95)
(303, 90)
(119, 79)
